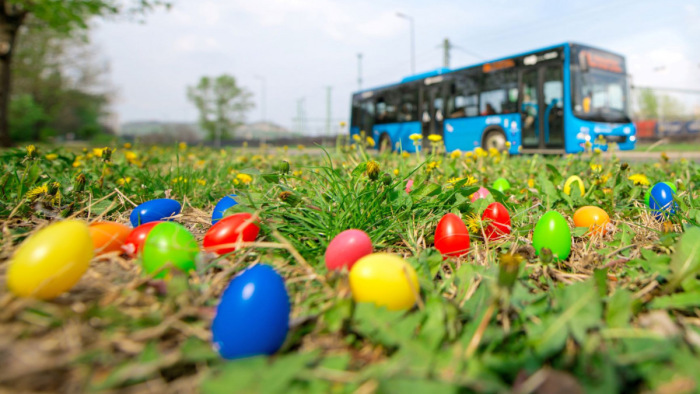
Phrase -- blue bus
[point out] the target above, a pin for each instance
(551, 100)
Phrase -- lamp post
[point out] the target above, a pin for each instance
(413, 41)
(262, 96)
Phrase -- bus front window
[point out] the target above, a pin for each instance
(600, 96)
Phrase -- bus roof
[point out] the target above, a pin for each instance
(443, 70)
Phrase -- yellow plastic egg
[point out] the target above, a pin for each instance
(385, 280)
(592, 217)
(51, 261)
(572, 179)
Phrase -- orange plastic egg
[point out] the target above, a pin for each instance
(108, 236)
(592, 217)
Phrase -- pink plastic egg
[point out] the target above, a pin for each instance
(409, 185)
(481, 193)
(346, 248)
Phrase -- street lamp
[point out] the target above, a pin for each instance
(413, 41)
(262, 96)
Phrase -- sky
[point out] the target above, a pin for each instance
(299, 48)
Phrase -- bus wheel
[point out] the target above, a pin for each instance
(495, 139)
(384, 143)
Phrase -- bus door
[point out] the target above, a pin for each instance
(432, 110)
(542, 106)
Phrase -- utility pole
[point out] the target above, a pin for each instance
(413, 40)
(446, 46)
(328, 110)
(359, 71)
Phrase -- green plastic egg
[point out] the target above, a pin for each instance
(552, 232)
(501, 184)
(169, 242)
(647, 194)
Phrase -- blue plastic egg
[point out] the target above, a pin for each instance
(661, 201)
(253, 315)
(221, 207)
(154, 210)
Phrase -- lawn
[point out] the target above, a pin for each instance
(619, 314)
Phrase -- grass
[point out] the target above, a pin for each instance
(620, 314)
(666, 146)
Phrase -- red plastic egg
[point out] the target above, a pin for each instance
(228, 231)
(346, 248)
(498, 221)
(133, 245)
(452, 236)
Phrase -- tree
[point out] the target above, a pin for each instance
(57, 15)
(222, 105)
(648, 104)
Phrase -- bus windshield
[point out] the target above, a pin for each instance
(599, 86)
(600, 96)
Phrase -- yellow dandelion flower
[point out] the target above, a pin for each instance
(639, 179)
(405, 155)
(297, 173)
(473, 222)
(124, 181)
(77, 164)
(480, 152)
(530, 183)
(493, 152)
(370, 141)
(127, 145)
(51, 156)
(182, 145)
(596, 167)
(202, 182)
(396, 172)
(285, 148)
(435, 137)
(508, 144)
(37, 192)
(301, 147)
(597, 151)
(353, 146)
(454, 180)
(31, 150)
(244, 178)
(471, 180)
(415, 137)
(97, 152)
(469, 155)
(356, 137)
(456, 154)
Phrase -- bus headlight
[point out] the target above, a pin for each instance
(633, 138)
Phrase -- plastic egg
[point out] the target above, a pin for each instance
(385, 280)
(228, 231)
(452, 236)
(252, 317)
(552, 232)
(647, 194)
(133, 244)
(169, 242)
(498, 221)
(409, 185)
(572, 179)
(221, 207)
(661, 201)
(51, 261)
(154, 210)
(481, 193)
(108, 236)
(592, 217)
(346, 248)
(501, 184)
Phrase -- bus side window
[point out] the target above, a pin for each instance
(408, 111)
(463, 99)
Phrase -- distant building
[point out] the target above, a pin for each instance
(159, 132)
(263, 130)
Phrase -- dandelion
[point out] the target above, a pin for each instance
(405, 155)
(508, 268)
(480, 152)
(508, 144)
(201, 182)
(97, 152)
(470, 181)
(124, 181)
(664, 157)
(31, 151)
(396, 172)
(356, 137)
(37, 192)
(473, 222)
(342, 123)
(182, 146)
(372, 170)
(244, 178)
(285, 148)
(435, 138)
(456, 154)
(297, 173)
(597, 151)
(454, 180)
(432, 165)
(493, 152)
(370, 141)
(415, 137)
(639, 179)
(530, 183)
(80, 182)
(127, 145)
(596, 167)
(77, 163)
(51, 156)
